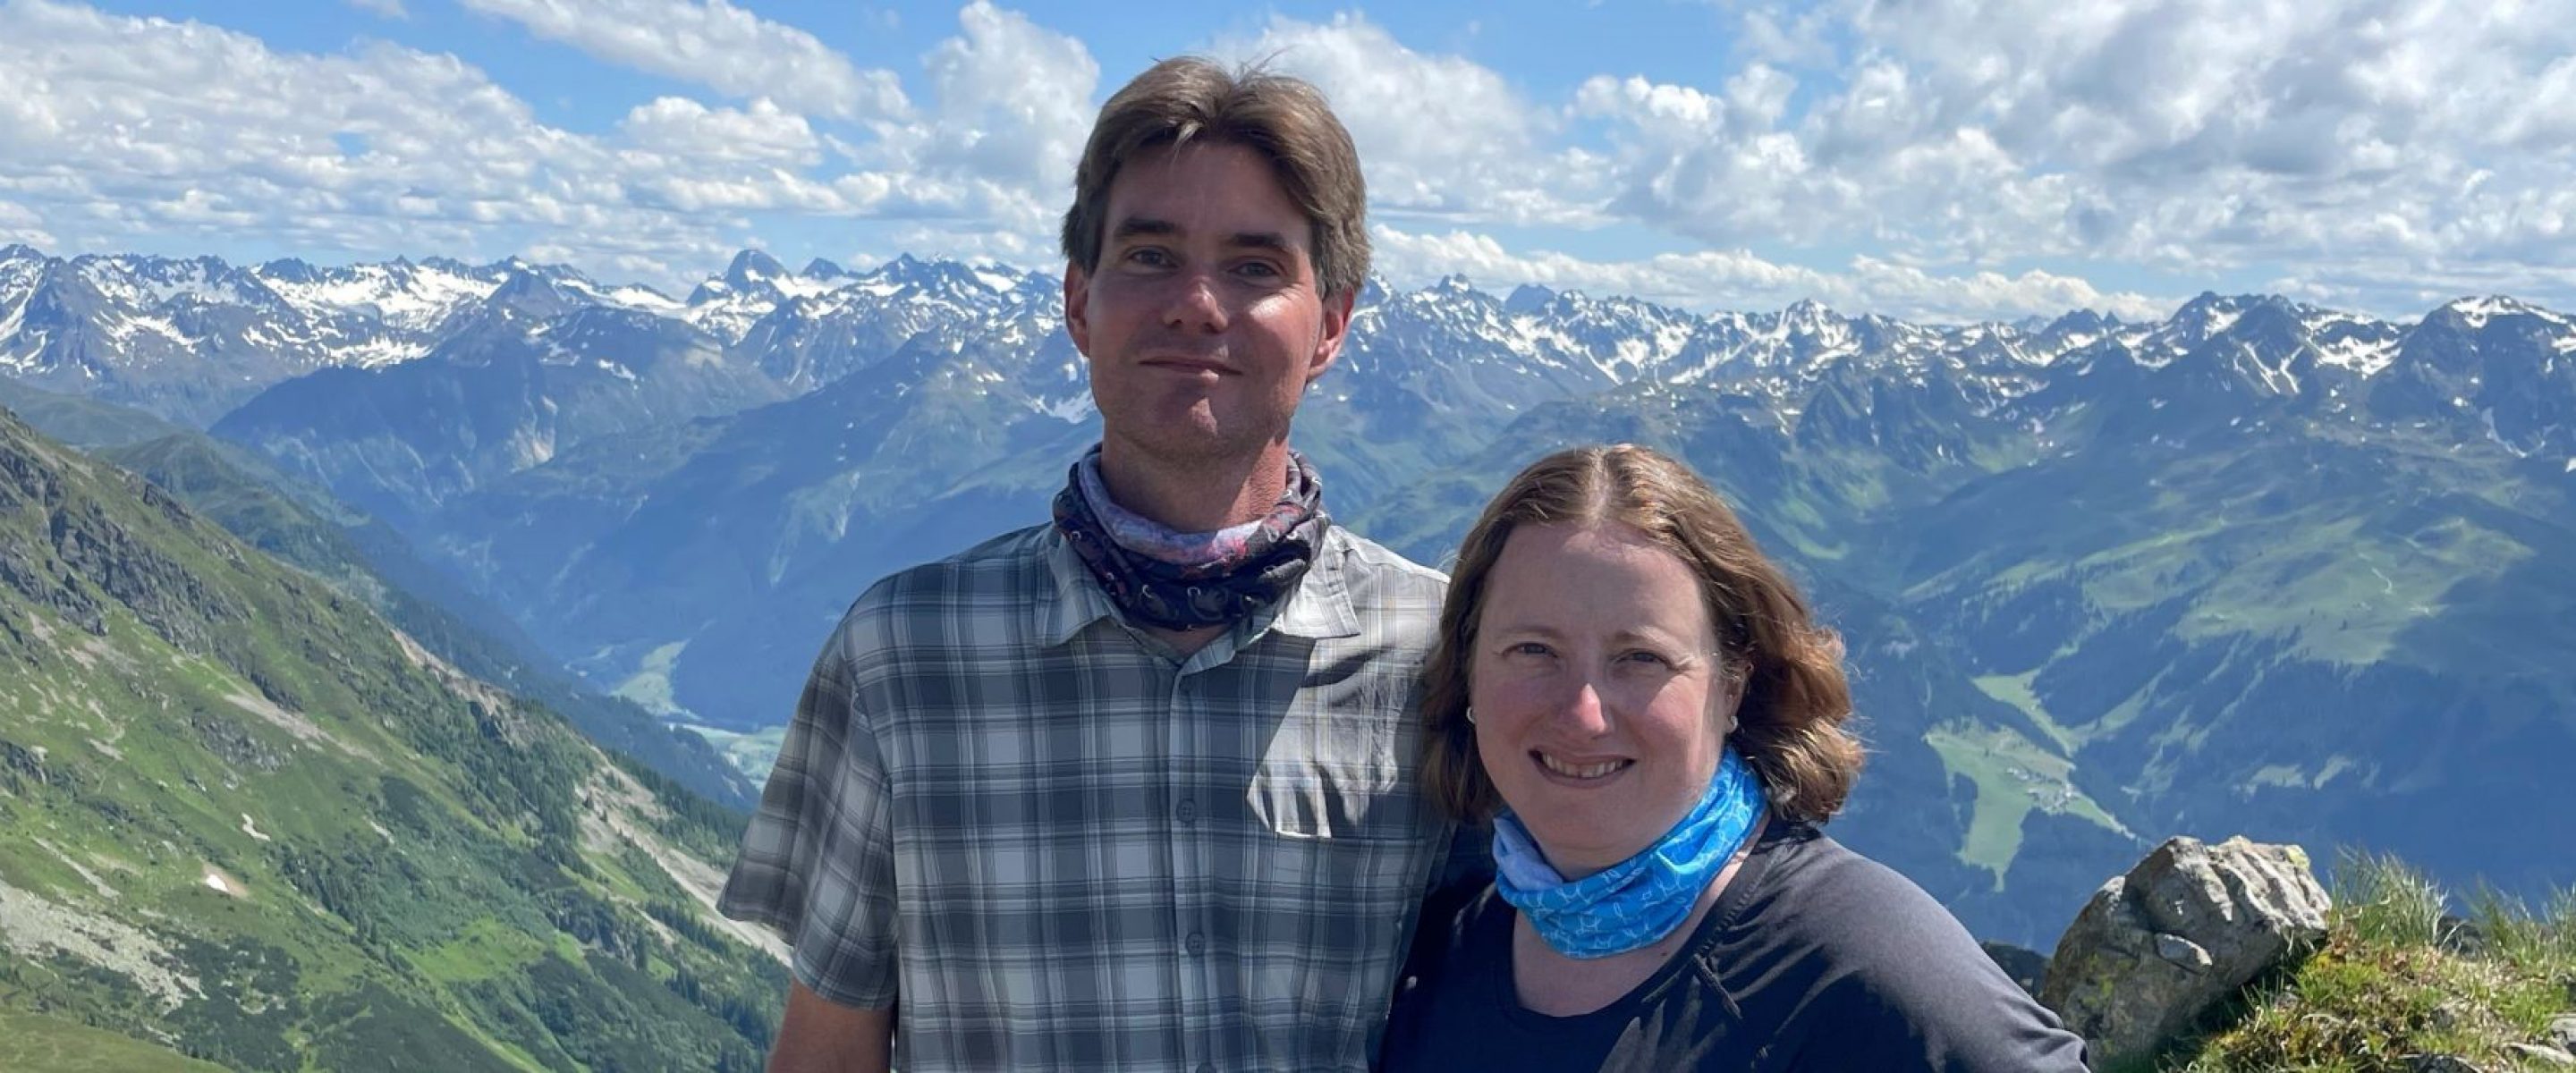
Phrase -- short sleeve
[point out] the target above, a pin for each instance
(817, 860)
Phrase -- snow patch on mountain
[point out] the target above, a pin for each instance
(124, 329)
(140, 282)
(400, 295)
(2475, 312)
(633, 296)
(13, 313)
(996, 281)
(2362, 354)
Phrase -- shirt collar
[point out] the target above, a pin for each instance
(1321, 607)
(1318, 609)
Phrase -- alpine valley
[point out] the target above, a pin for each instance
(245, 823)
(2257, 568)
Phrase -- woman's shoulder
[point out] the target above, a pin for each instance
(1880, 950)
(1818, 898)
(1827, 880)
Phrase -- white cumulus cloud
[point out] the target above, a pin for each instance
(120, 131)
(2190, 136)
(680, 127)
(1438, 136)
(1015, 102)
(715, 44)
(1963, 159)
(1714, 280)
(20, 224)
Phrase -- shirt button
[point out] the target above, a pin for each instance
(1196, 943)
(1188, 810)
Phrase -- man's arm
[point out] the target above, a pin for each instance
(817, 864)
(819, 1035)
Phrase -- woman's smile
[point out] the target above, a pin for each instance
(1579, 772)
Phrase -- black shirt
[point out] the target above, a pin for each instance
(1814, 958)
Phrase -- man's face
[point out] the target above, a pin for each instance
(1204, 322)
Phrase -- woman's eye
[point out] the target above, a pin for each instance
(1529, 649)
(1645, 659)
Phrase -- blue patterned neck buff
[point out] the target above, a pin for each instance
(1635, 902)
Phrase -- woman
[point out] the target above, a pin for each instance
(1637, 700)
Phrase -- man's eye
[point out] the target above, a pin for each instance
(1148, 256)
(1259, 270)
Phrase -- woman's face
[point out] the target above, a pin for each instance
(1599, 694)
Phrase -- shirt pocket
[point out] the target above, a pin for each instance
(1341, 868)
(1341, 766)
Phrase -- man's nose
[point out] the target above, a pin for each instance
(1194, 303)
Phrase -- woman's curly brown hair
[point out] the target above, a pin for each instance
(1790, 723)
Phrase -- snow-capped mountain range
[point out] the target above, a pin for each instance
(2255, 567)
(191, 338)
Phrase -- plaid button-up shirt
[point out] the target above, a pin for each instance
(1064, 847)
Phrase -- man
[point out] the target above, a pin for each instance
(1133, 790)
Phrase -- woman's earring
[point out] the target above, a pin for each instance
(1471, 714)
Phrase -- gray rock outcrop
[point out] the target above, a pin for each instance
(2187, 927)
(2561, 1032)
(2535, 1056)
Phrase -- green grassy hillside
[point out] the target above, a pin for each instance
(244, 820)
(304, 527)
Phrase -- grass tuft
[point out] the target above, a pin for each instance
(2398, 979)
(2384, 900)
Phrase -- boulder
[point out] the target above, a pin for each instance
(2189, 926)
(2535, 1056)
(2026, 967)
(2561, 1032)
(2463, 936)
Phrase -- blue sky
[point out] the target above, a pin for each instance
(1982, 158)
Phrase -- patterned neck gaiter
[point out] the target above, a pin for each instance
(1176, 581)
(1631, 904)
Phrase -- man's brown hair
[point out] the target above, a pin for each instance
(1789, 722)
(1189, 100)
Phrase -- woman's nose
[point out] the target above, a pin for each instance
(1585, 711)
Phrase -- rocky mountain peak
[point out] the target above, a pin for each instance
(530, 292)
(751, 268)
(1528, 298)
(290, 270)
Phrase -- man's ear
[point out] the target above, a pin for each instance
(1077, 307)
(1337, 328)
